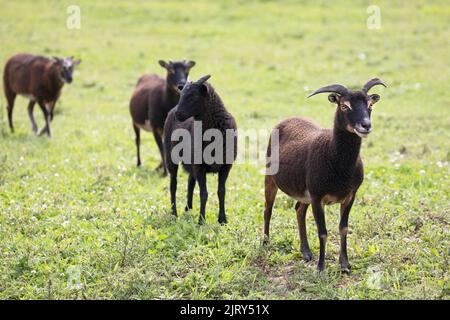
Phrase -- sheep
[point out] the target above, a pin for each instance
(322, 166)
(152, 100)
(200, 104)
(40, 79)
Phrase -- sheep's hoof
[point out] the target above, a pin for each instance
(307, 255)
(223, 221)
(34, 129)
(265, 241)
(320, 267)
(201, 221)
(346, 270)
(346, 267)
(161, 167)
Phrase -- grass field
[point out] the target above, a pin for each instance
(78, 220)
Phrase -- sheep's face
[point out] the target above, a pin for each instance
(177, 73)
(66, 67)
(354, 110)
(192, 99)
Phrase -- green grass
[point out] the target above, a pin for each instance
(78, 220)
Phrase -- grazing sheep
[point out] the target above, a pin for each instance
(322, 166)
(40, 79)
(152, 100)
(199, 103)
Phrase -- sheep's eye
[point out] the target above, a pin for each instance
(344, 107)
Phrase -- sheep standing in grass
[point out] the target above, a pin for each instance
(152, 100)
(322, 166)
(199, 103)
(40, 79)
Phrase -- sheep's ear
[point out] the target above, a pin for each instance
(190, 64)
(163, 64)
(333, 98)
(374, 98)
(203, 79)
(77, 62)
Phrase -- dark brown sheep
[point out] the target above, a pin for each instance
(152, 100)
(40, 79)
(322, 166)
(201, 105)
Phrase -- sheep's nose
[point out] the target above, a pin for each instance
(366, 125)
(180, 86)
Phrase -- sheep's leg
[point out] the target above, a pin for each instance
(270, 193)
(190, 192)
(158, 139)
(137, 131)
(301, 209)
(173, 190)
(10, 97)
(51, 110)
(223, 175)
(31, 116)
(319, 216)
(47, 117)
(343, 230)
(201, 179)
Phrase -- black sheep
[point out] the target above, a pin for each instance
(322, 166)
(199, 103)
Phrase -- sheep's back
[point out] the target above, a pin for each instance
(294, 131)
(22, 71)
(149, 80)
(148, 92)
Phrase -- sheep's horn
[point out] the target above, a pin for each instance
(203, 79)
(337, 88)
(371, 83)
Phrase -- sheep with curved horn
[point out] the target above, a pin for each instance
(321, 167)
